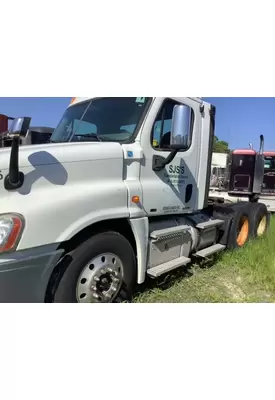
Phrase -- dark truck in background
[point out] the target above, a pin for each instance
(269, 174)
(35, 134)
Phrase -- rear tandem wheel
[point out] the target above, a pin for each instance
(259, 219)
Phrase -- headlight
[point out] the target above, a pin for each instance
(11, 228)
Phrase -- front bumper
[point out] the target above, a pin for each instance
(24, 275)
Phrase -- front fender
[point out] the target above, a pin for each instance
(65, 211)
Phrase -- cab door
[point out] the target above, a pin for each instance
(173, 190)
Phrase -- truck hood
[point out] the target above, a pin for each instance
(54, 153)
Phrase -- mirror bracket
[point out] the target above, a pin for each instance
(9, 185)
(15, 178)
(159, 162)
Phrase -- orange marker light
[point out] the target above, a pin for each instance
(135, 199)
(73, 100)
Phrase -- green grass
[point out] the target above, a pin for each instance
(244, 275)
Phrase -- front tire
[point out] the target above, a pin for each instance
(102, 270)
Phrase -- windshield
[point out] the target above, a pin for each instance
(102, 119)
(269, 163)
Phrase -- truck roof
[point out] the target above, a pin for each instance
(76, 100)
(244, 152)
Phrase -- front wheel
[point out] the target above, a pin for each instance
(102, 270)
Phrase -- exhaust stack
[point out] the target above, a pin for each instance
(261, 150)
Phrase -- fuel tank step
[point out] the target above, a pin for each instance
(209, 251)
(209, 224)
(167, 267)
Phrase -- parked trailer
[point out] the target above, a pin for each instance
(121, 193)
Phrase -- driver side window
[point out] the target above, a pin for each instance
(162, 126)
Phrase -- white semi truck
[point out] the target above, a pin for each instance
(120, 193)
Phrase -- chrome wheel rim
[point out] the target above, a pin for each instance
(262, 226)
(100, 280)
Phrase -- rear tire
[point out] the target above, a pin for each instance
(240, 231)
(102, 270)
(259, 220)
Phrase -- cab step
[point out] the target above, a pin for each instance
(209, 251)
(161, 269)
(209, 224)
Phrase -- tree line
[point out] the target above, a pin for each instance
(220, 146)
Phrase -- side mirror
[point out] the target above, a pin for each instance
(20, 126)
(181, 128)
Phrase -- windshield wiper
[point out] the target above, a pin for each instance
(91, 135)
